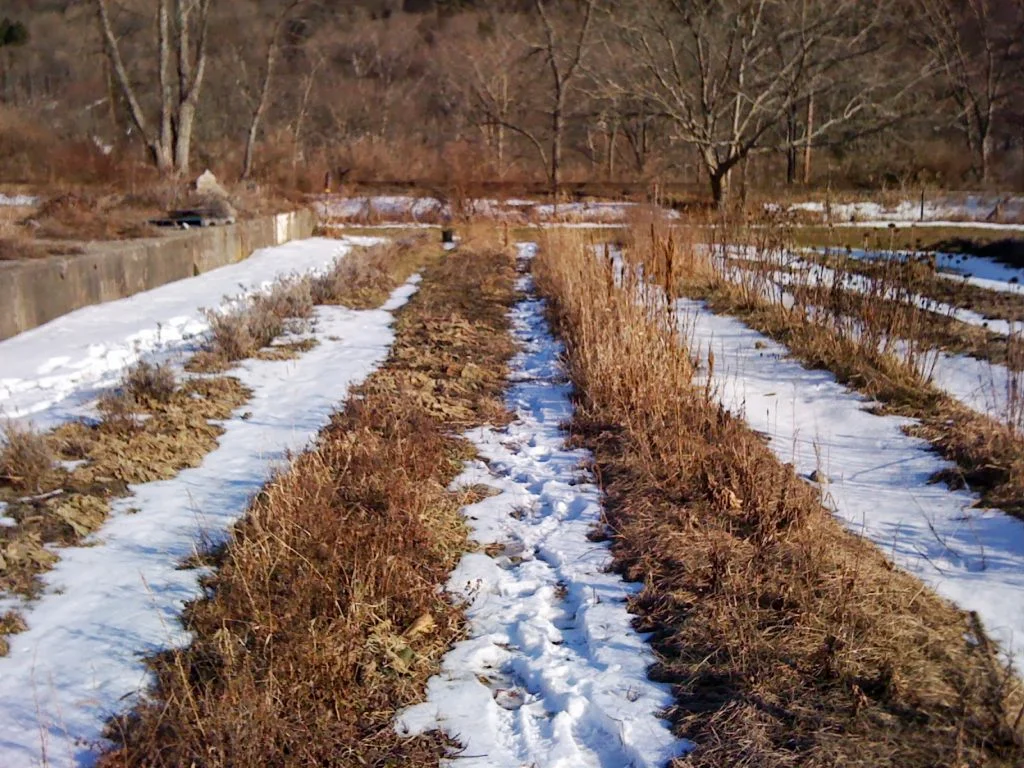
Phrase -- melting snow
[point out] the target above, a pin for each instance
(553, 674)
(879, 476)
(108, 604)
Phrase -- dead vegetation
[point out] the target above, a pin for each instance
(894, 306)
(259, 327)
(880, 347)
(26, 459)
(364, 278)
(326, 615)
(920, 275)
(787, 640)
(91, 215)
(58, 486)
(242, 331)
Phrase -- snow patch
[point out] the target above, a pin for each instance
(52, 371)
(553, 674)
(110, 603)
(880, 477)
(17, 201)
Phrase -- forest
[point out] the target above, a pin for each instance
(718, 98)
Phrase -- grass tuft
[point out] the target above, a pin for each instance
(26, 458)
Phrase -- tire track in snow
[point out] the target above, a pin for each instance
(553, 674)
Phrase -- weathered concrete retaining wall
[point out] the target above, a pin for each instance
(35, 292)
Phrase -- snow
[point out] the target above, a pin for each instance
(51, 371)
(433, 210)
(962, 265)
(943, 210)
(879, 476)
(17, 201)
(552, 674)
(813, 274)
(988, 388)
(115, 600)
(991, 389)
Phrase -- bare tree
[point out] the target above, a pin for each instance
(489, 76)
(169, 141)
(976, 47)
(269, 62)
(565, 41)
(728, 74)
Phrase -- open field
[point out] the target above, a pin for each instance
(672, 494)
(511, 384)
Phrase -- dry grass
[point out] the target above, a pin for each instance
(979, 241)
(242, 331)
(787, 640)
(86, 214)
(26, 459)
(365, 277)
(362, 279)
(151, 429)
(146, 382)
(883, 349)
(918, 274)
(326, 614)
(897, 312)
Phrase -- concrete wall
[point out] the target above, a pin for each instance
(37, 291)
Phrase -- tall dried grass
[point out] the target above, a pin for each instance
(365, 277)
(326, 613)
(878, 342)
(787, 640)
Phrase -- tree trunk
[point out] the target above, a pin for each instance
(250, 148)
(986, 159)
(610, 160)
(261, 106)
(183, 138)
(556, 150)
(161, 157)
(807, 144)
(719, 185)
(791, 150)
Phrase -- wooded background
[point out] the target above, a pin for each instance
(723, 97)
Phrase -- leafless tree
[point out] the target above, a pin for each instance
(490, 77)
(169, 136)
(976, 46)
(269, 63)
(565, 41)
(728, 73)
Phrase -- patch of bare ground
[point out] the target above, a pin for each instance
(861, 350)
(326, 613)
(787, 640)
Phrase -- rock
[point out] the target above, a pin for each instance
(207, 184)
(817, 476)
(215, 207)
